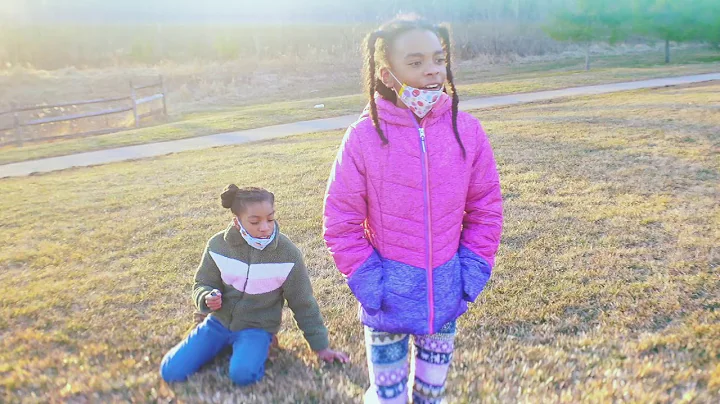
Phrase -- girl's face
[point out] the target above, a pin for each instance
(417, 59)
(259, 219)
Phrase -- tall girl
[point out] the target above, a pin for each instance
(413, 210)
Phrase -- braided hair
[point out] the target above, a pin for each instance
(382, 39)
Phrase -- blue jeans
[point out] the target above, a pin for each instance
(247, 363)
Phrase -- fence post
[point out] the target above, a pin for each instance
(133, 97)
(164, 95)
(16, 125)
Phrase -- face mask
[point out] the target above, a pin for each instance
(418, 100)
(258, 243)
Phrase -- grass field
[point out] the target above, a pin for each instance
(474, 80)
(606, 286)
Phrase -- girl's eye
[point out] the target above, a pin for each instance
(271, 220)
(415, 64)
(254, 224)
(441, 60)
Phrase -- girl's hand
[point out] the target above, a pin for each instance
(328, 355)
(213, 300)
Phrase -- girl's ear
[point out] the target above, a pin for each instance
(386, 78)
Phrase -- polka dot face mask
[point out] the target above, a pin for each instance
(419, 100)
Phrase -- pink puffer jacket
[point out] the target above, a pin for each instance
(412, 224)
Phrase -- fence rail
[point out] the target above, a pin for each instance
(76, 116)
(134, 101)
(148, 86)
(67, 104)
(144, 100)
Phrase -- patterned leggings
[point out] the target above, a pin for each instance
(388, 365)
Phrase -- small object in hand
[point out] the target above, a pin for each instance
(213, 300)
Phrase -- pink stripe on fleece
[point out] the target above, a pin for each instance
(255, 286)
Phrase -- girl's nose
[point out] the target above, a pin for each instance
(434, 70)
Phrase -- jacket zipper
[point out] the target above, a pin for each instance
(428, 228)
(247, 278)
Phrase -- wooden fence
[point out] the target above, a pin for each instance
(131, 103)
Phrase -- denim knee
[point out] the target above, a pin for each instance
(171, 373)
(244, 375)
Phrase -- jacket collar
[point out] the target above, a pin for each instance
(392, 114)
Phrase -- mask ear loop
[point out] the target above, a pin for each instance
(402, 85)
(239, 226)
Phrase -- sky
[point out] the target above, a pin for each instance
(318, 11)
(26, 11)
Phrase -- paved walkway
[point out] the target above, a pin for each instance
(317, 125)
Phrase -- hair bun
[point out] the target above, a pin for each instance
(228, 195)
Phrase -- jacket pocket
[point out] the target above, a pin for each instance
(475, 273)
(405, 280)
(366, 283)
(448, 290)
(405, 307)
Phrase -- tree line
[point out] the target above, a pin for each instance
(611, 21)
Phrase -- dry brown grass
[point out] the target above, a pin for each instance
(207, 85)
(606, 287)
(53, 46)
(474, 80)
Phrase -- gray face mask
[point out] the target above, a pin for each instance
(257, 243)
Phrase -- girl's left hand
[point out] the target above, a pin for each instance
(328, 355)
